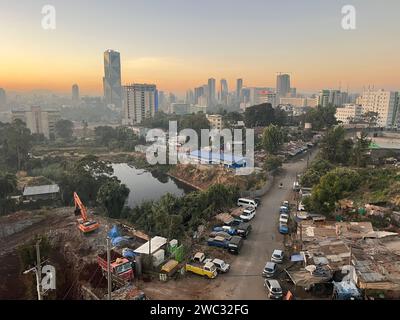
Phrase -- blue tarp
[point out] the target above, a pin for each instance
(296, 258)
(114, 232)
(346, 290)
(119, 241)
(129, 253)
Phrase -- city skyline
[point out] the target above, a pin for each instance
(171, 50)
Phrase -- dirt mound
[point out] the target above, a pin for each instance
(202, 176)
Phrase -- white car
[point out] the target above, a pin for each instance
(248, 214)
(277, 256)
(284, 218)
(220, 265)
(274, 289)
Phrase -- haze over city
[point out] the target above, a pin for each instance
(179, 44)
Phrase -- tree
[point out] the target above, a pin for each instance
(104, 135)
(112, 196)
(359, 156)
(15, 145)
(272, 163)
(64, 129)
(259, 116)
(371, 118)
(332, 187)
(8, 185)
(335, 148)
(321, 117)
(312, 176)
(273, 138)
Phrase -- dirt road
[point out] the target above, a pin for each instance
(244, 281)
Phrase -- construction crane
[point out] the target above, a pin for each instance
(85, 225)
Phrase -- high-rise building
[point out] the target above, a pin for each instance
(332, 97)
(384, 103)
(239, 86)
(349, 113)
(224, 92)
(282, 85)
(189, 97)
(37, 120)
(211, 92)
(198, 92)
(140, 102)
(75, 93)
(3, 99)
(112, 78)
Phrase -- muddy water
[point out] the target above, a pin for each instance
(147, 186)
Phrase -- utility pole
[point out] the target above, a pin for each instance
(109, 280)
(38, 272)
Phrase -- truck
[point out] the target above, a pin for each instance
(208, 269)
(218, 241)
(220, 265)
(237, 228)
(120, 266)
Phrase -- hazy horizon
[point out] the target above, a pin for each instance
(179, 44)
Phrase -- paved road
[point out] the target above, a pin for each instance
(244, 281)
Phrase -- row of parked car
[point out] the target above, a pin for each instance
(230, 235)
(284, 217)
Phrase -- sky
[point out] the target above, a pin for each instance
(179, 44)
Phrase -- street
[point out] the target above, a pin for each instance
(244, 281)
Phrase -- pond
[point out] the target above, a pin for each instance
(146, 186)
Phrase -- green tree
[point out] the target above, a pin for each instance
(273, 138)
(64, 129)
(332, 187)
(313, 174)
(321, 117)
(8, 185)
(272, 163)
(360, 151)
(371, 118)
(15, 145)
(112, 196)
(335, 148)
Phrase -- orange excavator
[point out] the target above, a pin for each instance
(85, 225)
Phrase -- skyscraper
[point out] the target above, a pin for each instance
(3, 99)
(239, 86)
(224, 92)
(282, 85)
(140, 102)
(75, 93)
(112, 78)
(211, 92)
(198, 92)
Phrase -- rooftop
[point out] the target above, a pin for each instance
(41, 190)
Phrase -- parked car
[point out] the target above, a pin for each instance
(219, 242)
(285, 204)
(283, 209)
(270, 269)
(243, 202)
(277, 256)
(248, 214)
(222, 234)
(228, 229)
(220, 265)
(284, 218)
(274, 289)
(235, 245)
(283, 228)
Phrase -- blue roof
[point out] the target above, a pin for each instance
(217, 157)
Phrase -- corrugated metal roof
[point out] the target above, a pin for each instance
(39, 190)
(156, 243)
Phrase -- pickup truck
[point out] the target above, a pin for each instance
(120, 266)
(220, 265)
(207, 270)
(241, 229)
(219, 242)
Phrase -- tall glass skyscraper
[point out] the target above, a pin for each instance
(282, 85)
(211, 92)
(112, 78)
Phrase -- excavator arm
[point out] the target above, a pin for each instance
(79, 207)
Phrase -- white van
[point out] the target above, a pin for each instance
(243, 202)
